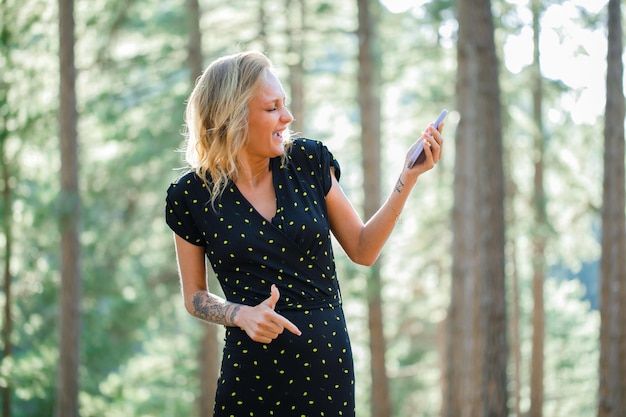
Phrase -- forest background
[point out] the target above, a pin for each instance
(139, 349)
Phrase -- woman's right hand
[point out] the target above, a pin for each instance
(261, 323)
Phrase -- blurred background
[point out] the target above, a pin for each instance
(138, 351)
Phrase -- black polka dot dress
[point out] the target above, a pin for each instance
(307, 375)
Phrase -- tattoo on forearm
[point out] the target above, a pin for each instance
(399, 185)
(213, 310)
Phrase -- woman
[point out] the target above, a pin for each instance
(261, 208)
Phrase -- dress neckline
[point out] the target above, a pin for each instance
(273, 168)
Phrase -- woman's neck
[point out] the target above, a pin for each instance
(252, 176)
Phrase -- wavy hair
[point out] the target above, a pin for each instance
(216, 117)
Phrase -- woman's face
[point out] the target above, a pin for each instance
(267, 119)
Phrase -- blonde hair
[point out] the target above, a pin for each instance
(216, 117)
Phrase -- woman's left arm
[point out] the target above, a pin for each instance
(363, 242)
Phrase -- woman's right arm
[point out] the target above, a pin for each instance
(199, 302)
(261, 322)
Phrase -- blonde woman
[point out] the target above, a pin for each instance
(261, 208)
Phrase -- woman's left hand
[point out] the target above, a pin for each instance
(433, 150)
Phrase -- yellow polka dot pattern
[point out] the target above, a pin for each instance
(307, 375)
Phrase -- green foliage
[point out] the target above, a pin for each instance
(138, 345)
(28, 111)
(572, 351)
(158, 379)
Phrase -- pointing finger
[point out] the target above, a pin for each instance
(290, 326)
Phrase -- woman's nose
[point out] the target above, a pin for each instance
(287, 117)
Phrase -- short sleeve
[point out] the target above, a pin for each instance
(328, 162)
(178, 215)
(321, 159)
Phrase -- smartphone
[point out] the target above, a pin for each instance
(418, 155)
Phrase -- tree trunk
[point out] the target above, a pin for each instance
(295, 60)
(514, 322)
(7, 231)
(208, 358)
(516, 349)
(262, 33)
(539, 237)
(7, 197)
(208, 351)
(476, 345)
(194, 48)
(612, 390)
(67, 386)
(369, 105)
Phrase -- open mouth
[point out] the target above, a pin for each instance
(278, 135)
